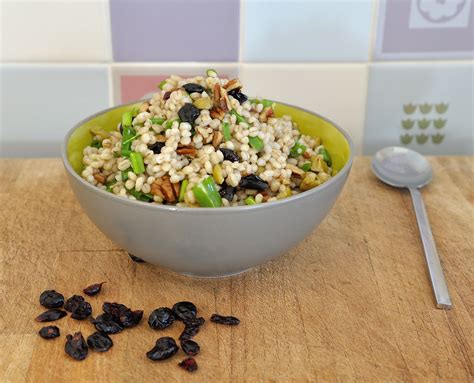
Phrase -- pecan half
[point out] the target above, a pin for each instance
(100, 178)
(187, 150)
(306, 155)
(233, 84)
(176, 187)
(156, 189)
(221, 99)
(217, 112)
(167, 190)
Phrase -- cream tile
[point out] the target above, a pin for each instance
(48, 30)
(337, 91)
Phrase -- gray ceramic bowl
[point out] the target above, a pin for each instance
(206, 242)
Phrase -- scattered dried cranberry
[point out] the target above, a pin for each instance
(131, 318)
(49, 332)
(93, 289)
(188, 113)
(76, 346)
(227, 192)
(164, 348)
(238, 95)
(167, 95)
(229, 155)
(190, 347)
(51, 299)
(73, 302)
(253, 182)
(193, 88)
(106, 324)
(156, 148)
(188, 364)
(133, 257)
(192, 327)
(161, 318)
(114, 309)
(99, 342)
(82, 311)
(184, 310)
(227, 320)
(51, 315)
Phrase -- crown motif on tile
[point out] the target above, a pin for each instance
(406, 139)
(422, 138)
(441, 108)
(439, 123)
(426, 108)
(423, 123)
(437, 138)
(408, 124)
(409, 108)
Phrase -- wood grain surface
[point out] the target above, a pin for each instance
(352, 302)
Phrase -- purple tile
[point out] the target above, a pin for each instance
(175, 30)
(425, 29)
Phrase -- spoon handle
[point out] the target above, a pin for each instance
(443, 301)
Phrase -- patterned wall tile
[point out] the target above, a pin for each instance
(307, 30)
(337, 91)
(49, 30)
(135, 82)
(40, 104)
(424, 107)
(175, 30)
(437, 29)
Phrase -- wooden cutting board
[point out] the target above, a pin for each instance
(351, 302)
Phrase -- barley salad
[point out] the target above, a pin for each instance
(200, 142)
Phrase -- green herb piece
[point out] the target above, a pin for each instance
(182, 190)
(206, 193)
(250, 201)
(137, 162)
(326, 156)
(96, 144)
(306, 167)
(256, 143)
(226, 131)
(297, 150)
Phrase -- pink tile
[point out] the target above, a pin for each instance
(136, 87)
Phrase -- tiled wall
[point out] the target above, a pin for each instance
(391, 72)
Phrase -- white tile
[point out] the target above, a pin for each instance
(48, 30)
(337, 91)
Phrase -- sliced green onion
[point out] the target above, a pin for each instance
(125, 174)
(182, 189)
(169, 123)
(110, 184)
(264, 102)
(96, 144)
(206, 193)
(226, 131)
(250, 200)
(141, 196)
(238, 116)
(306, 167)
(135, 111)
(297, 150)
(129, 140)
(127, 119)
(162, 84)
(157, 120)
(326, 156)
(137, 162)
(256, 143)
(211, 73)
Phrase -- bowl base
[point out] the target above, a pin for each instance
(225, 275)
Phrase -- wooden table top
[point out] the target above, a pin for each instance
(351, 302)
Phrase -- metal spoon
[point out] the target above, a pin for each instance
(405, 168)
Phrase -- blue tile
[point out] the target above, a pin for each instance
(307, 30)
(40, 104)
(426, 107)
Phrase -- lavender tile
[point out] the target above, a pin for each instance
(426, 107)
(41, 103)
(424, 29)
(175, 30)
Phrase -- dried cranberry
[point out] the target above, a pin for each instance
(161, 318)
(76, 346)
(253, 182)
(93, 289)
(188, 113)
(51, 299)
(238, 95)
(164, 348)
(188, 364)
(191, 328)
(49, 332)
(51, 315)
(131, 318)
(167, 95)
(184, 310)
(230, 155)
(82, 311)
(227, 320)
(114, 309)
(190, 347)
(106, 323)
(193, 88)
(99, 342)
(227, 192)
(156, 148)
(73, 302)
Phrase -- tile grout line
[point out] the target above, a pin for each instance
(241, 33)
(374, 32)
(110, 52)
